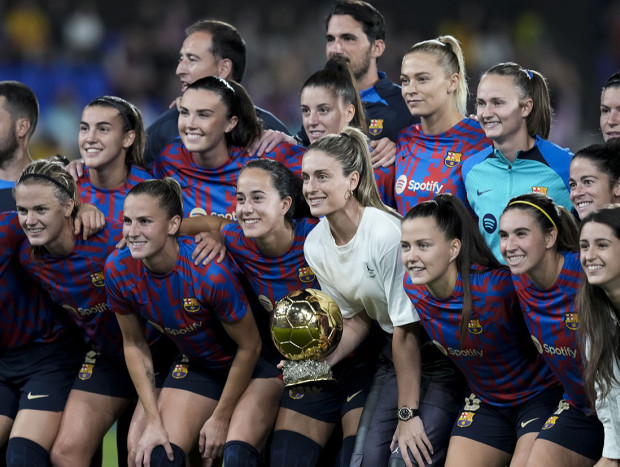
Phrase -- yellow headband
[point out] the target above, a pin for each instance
(539, 208)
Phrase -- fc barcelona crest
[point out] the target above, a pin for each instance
(86, 371)
(376, 126)
(191, 304)
(540, 189)
(465, 419)
(305, 274)
(474, 326)
(98, 279)
(572, 321)
(452, 159)
(550, 422)
(180, 371)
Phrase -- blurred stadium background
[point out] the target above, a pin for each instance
(71, 51)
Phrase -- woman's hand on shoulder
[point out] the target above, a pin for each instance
(89, 220)
(268, 140)
(209, 245)
(383, 153)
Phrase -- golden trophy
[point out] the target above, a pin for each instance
(306, 327)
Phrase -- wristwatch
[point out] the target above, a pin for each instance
(407, 413)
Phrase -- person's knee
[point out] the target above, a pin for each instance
(22, 452)
(240, 453)
(292, 449)
(159, 458)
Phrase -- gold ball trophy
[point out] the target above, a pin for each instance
(306, 327)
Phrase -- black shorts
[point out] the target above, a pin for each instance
(102, 375)
(353, 378)
(574, 430)
(38, 376)
(209, 382)
(501, 427)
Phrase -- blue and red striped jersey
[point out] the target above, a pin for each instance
(110, 202)
(552, 319)
(271, 278)
(213, 191)
(76, 282)
(427, 165)
(497, 357)
(187, 304)
(26, 313)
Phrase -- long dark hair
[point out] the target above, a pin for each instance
(454, 221)
(132, 121)
(238, 103)
(599, 320)
(338, 79)
(166, 191)
(286, 184)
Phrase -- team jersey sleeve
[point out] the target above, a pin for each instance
(227, 298)
(116, 294)
(289, 155)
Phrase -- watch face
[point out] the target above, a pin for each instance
(404, 413)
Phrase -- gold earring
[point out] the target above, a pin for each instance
(347, 195)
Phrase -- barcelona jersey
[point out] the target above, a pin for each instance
(271, 278)
(110, 202)
(213, 191)
(427, 165)
(187, 304)
(497, 357)
(26, 313)
(553, 322)
(76, 282)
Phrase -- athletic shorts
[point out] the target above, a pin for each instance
(353, 378)
(209, 382)
(102, 375)
(501, 427)
(572, 429)
(38, 376)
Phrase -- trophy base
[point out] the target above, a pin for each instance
(300, 372)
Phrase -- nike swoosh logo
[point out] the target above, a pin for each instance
(37, 396)
(483, 192)
(524, 424)
(353, 395)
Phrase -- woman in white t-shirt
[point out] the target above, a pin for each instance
(354, 252)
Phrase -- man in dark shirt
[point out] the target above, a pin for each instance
(211, 48)
(19, 112)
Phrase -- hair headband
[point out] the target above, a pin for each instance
(48, 178)
(537, 207)
(112, 103)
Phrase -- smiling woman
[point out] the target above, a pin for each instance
(204, 311)
(111, 141)
(514, 109)
(469, 307)
(539, 241)
(70, 268)
(217, 121)
(430, 154)
(595, 177)
(599, 305)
